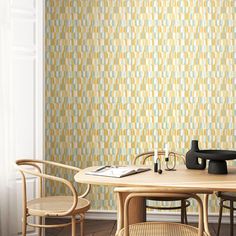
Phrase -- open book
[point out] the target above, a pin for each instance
(117, 171)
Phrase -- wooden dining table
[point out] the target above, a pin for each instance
(182, 180)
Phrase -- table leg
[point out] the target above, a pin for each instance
(205, 214)
(137, 210)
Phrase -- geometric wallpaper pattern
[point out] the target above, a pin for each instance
(125, 76)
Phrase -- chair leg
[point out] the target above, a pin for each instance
(81, 224)
(182, 211)
(40, 222)
(73, 225)
(185, 214)
(220, 216)
(231, 218)
(23, 226)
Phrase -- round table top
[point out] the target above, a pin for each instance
(182, 179)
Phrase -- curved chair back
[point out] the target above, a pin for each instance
(144, 157)
(154, 192)
(37, 172)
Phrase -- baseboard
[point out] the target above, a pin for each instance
(155, 216)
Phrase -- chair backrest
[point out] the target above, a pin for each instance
(148, 156)
(38, 173)
(155, 192)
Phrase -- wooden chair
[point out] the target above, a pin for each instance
(184, 203)
(157, 228)
(231, 197)
(51, 206)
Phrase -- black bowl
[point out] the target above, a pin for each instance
(218, 158)
(217, 155)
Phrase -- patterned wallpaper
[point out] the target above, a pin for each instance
(123, 76)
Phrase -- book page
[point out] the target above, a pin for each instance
(113, 171)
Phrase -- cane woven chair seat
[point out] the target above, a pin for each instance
(156, 228)
(51, 206)
(160, 229)
(56, 204)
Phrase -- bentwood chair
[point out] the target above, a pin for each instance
(157, 228)
(184, 203)
(51, 206)
(224, 197)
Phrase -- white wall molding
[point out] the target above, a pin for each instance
(27, 38)
(24, 14)
(24, 52)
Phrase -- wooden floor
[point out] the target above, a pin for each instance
(91, 228)
(108, 228)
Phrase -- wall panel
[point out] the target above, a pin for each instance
(122, 76)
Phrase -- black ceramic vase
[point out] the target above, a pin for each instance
(192, 159)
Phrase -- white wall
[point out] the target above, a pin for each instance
(27, 73)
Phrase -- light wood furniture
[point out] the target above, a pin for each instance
(51, 206)
(157, 228)
(231, 198)
(182, 180)
(143, 158)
